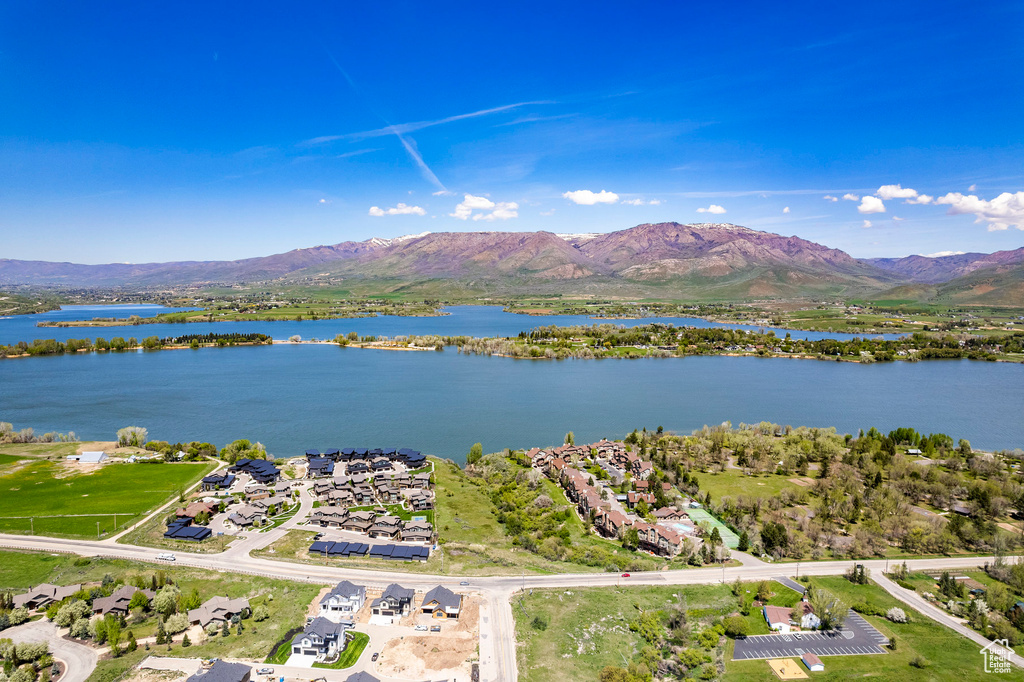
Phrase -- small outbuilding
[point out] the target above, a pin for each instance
(813, 663)
(88, 457)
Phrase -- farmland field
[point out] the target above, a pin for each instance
(48, 499)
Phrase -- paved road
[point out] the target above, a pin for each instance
(497, 590)
(856, 637)
(78, 659)
(920, 604)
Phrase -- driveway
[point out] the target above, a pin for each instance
(78, 659)
(857, 637)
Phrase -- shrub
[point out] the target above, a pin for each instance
(18, 616)
(919, 662)
(896, 615)
(176, 623)
(539, 623)
(260, 613)
(736, 626)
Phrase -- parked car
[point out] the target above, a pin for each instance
(625, 575)
(374, 657)
(265, 671)
(420, 628)
(435, 628)
(797, 635)
(464, 583)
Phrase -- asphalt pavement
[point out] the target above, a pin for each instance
(78, 659)
(857, 637)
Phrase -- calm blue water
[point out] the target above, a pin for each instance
(296, 397)
(461, 320)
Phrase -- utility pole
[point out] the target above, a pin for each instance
(32, 526)
(798, 570)
(97, 530)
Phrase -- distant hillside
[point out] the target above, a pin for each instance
(706, 261)
(945, 268)
(1001, 285)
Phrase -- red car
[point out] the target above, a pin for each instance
(625, 575)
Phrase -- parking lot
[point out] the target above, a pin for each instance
(857, 637)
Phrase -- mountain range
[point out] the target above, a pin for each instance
(706, 261)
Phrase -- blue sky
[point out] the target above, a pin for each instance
(176, 131)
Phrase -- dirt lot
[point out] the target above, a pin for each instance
(155, 676)
(447, 654)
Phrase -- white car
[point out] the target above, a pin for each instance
(420, 628)
(166, 556)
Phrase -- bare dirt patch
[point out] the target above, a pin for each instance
(314, 606)
(448, 654)
(802, 482)
(148, 675)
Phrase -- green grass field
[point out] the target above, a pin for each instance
(733, 483)
(950, 658)
(48, 499)
(588, 629)
(350, 655)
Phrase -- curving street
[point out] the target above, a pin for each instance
(497, 628)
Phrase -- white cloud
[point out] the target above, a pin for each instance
(641, 202)
(1003, 212)
(897, 192)
(940, 254)
(654, 202)
(713, 208)
(871, 205)
(850, 197)
(443, 193)
(898, 219)
(585, 197)
(972, 188)
(829, 197)
(545, 213)
(786, 210)
(501, 210)
(867, 223)
(401, 209)
(323, 201)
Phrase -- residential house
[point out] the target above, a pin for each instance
(417, 531)
(358, 522)
(612, 523)
(660, 539)
(217, 482)
(329, 516)
(642, 486)
(670, 514)
(321, 489)
(119, 600)
(218, 610)
(257, 491)
(318, 467)
(247, 516)
(441, 602)
(343, 497)
(357, 467)
(196, 508)
(222, 671)
(389, 494)
(421, 481)
(385, 527)
(642, 471)
(322, 638)
(421, 501)
(343, 601)
(260, 470)
(634, 498)
(395, 601)
(44, 595)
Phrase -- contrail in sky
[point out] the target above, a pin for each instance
(409, 145)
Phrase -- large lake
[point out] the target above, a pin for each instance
(296, 397)
(459, 320)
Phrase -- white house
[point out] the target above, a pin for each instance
(777, 618)
(342, 602)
